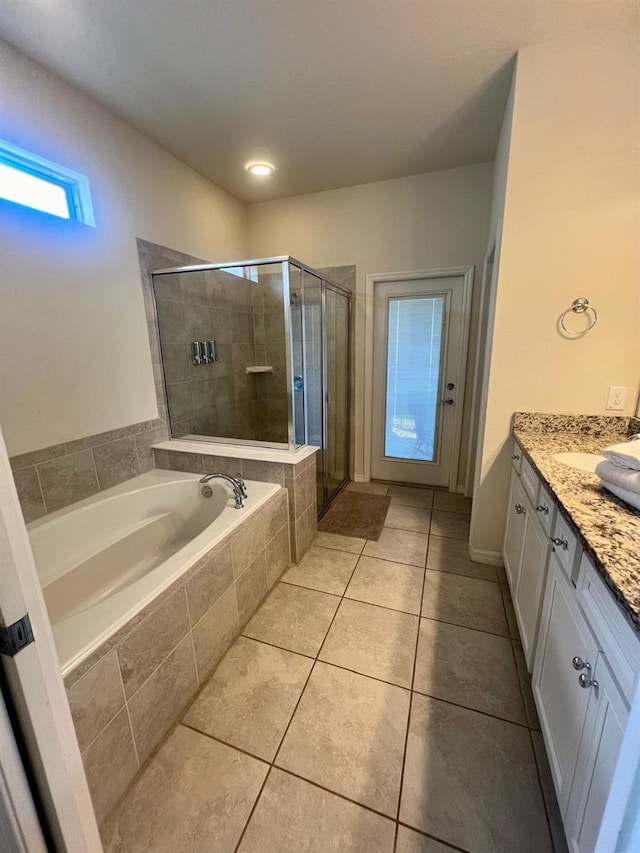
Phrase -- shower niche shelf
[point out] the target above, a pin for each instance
(260, 368)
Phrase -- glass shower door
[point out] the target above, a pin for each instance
(337, 389)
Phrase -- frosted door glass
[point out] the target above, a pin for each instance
(414, 337)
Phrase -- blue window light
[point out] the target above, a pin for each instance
(32, 181)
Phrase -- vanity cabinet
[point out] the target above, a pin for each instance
(583, 652)
(526, 550)
(565, 643)
(514, 536)
(604, 726)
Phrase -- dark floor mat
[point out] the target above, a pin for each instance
(356, 514)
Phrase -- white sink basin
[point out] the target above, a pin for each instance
(581, 461)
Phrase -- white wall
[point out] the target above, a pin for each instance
(74, 349)
(571, 228)
(434, 220)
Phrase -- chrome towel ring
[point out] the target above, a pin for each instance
(578, 306)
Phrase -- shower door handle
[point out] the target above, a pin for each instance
(298, 383)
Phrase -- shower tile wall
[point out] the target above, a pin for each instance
(218, 399)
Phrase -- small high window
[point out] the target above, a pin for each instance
(32, 181)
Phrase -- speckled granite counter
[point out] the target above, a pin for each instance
(608, 529)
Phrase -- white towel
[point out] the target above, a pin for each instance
(630, 498)
(623, 478)
(624, 455)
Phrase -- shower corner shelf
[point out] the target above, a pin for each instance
(260, 368)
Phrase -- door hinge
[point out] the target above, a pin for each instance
(15, 637)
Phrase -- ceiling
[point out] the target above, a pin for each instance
(333, 92)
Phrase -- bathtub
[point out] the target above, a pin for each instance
(106, 558)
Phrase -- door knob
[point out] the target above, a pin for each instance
(449, 401)
(450, 386)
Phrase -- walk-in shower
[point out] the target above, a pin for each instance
(258, 353)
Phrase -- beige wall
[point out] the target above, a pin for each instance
(571, 228)
(75, 354)
(434, 220)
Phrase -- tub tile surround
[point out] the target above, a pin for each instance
(129, 693)
(592, 513)
(55, 477)
(298, 478)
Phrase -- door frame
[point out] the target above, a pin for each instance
(37, 691)
(466, 272)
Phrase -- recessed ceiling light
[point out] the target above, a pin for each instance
(260, 169)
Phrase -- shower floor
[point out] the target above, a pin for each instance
(378, 701)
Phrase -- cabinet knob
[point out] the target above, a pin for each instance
(519, 509)
(578, 663)
(586, 681)
(542, 508)
(515, 456)
(561, 543)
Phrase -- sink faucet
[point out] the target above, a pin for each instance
(239, 489)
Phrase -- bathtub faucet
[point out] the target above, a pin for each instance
(239, 490)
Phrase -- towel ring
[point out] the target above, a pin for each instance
(579, 306)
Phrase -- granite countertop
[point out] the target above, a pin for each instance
(608, 529)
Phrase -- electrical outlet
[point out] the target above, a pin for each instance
(616, 398)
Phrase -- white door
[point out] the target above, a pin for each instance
(420, 328)
(33, 680)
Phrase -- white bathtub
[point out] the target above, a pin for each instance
(107, 557)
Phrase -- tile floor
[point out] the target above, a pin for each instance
(378, 701)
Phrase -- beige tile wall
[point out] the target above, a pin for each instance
(128, 695)
(299, 480)
(56, 476)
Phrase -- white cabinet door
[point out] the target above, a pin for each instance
(514, 535)
(561, 702)
(603, 732)
(526, 599)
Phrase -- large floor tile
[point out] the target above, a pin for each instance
(371, 488)
(413, 518)
(452, 555)
(410, 496)
(394, 585)
(410, 841)
(470, 668)
(402, 546)
(295, 618)
(471, 780)
(373, 641)
(352, 544)
(293, 816)
(452, 524)
(323, 569)
(464, 601)
(348, 735)
(450, 502)
(193, 790)
(250, 698)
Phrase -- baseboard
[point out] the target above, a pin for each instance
(490, 558)
(359, 478)
(460, 489)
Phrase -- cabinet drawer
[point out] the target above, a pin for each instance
(516, 456)
(566, 547)
(545, 510)
(616, 637)
(529, 480)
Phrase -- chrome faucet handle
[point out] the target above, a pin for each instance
(237, 493)
(242, 486)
